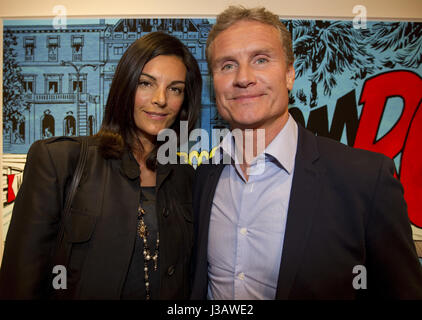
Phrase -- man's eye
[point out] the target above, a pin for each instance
(228, 66)
(261, 60)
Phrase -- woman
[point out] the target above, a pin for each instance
(129, 235)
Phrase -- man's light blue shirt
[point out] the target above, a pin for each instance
(248, 220)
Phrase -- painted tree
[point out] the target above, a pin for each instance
(404, 38)
(14, 103)
(325, 49)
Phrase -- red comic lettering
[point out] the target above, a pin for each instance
(404, 137)
(411, 169)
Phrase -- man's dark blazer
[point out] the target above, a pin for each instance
(346, 209)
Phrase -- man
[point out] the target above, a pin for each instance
(319, 220)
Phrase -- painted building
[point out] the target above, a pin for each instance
(66, 74)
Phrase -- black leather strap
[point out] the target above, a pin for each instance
(58, 256)
(83, 155)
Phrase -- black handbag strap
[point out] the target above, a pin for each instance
(59, 254)
(83, 155)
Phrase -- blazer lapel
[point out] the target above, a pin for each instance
(162, 173)
(208, 196)
(202, 214)
(304, 196)
(130, 168)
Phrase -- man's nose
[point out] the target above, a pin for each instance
(244, 76)
(159, 97)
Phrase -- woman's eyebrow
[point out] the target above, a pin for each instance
(148, 75)
(153, 78)
(177, 82)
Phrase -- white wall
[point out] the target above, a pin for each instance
(376, 9)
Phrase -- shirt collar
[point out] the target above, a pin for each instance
(284, 145)
(282, 149)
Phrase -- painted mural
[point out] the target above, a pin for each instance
(361, 86)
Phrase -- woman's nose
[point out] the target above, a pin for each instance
(159, 97)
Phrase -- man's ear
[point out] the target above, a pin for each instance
(290, 77)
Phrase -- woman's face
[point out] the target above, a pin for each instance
(160, 94)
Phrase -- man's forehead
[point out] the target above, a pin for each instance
(235, 53)
(247, 28)
(246, 37)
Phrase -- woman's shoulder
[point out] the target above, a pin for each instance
(60, 150)
(62, 144)
(59, 146)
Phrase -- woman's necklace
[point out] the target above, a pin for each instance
(143, 234)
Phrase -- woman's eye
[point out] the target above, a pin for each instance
(176, 90)
(144, 84)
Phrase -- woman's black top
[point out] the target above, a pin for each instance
(134, 287)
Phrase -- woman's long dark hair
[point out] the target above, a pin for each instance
(118, 129)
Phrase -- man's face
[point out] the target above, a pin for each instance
(251, 76)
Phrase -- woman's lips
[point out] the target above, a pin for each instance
(156, 115)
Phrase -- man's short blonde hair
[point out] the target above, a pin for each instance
(235, 14)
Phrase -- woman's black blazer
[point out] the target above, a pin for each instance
(100, 234)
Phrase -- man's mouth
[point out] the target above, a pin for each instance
(247, 97)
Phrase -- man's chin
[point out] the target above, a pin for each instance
(245, 124)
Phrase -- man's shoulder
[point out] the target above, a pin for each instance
(334, 152)
(342, 161)
(332, 149)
